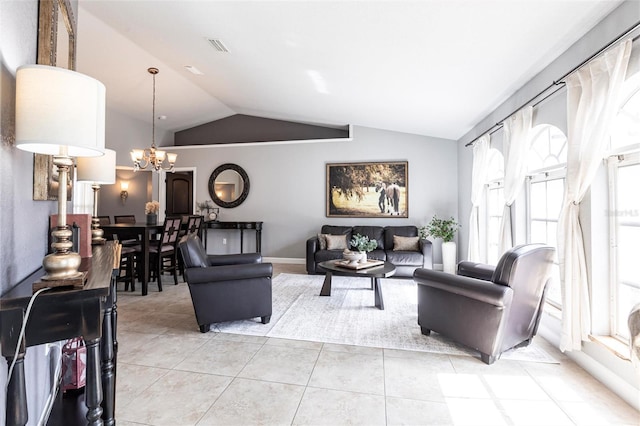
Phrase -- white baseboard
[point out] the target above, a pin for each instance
(599, 371)
(604, 375)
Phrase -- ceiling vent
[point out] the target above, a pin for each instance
(218, 45)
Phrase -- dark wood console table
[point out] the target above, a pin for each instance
(257, 226)
(61, 314)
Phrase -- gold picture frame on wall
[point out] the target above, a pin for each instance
(56, 47)
(371, 190)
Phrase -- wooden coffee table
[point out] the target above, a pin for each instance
(331, 268)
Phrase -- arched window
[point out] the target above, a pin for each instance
(625, 129)
(548, 148)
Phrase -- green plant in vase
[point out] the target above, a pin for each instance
(445, 229)
(363, 244)
(440, 228)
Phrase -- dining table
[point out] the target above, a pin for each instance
(141, 231)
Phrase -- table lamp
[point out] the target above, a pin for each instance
(98, 171)
(61, 113)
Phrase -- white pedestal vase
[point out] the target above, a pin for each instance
(449, 257)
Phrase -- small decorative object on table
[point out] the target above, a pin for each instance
(207, 210)
(151, 210)
(364, 245)
(351, 256)
(445, 229)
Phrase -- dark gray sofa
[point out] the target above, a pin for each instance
(405, 262)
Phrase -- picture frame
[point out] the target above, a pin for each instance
(56, 47)
(367, 189)
(45, 179)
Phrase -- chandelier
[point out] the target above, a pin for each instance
(153, 157)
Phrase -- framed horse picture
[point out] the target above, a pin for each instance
(368, 189)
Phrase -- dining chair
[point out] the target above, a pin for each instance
(104, 220)
(126, 218)
(194, 225)
(127, 270)
(164, 252)
(191, 224)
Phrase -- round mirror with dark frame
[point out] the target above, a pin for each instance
(229, 185)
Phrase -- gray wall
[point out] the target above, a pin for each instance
(140, 191)
(23, 222)
(288, 183)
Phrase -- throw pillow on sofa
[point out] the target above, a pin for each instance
(322, 241)
(336, 242)
(405, 243)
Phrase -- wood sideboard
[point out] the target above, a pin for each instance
(61, 314)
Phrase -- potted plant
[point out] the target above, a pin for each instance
(445, 229)
(151, 210)
(364, 245)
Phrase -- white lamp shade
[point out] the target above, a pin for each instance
(98, 169)
(58, 108)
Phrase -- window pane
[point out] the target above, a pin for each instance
(548, 147)
(628, 198)
(626, 124)
(538, 231)
(626, 287)
(554, 295)
(628, 249)
(552, 234)
(628, 296)
(555, 196)
(538, 200)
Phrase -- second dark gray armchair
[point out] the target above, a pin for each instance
(488, 308)
(226, 287)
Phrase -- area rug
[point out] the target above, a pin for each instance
(349, 317)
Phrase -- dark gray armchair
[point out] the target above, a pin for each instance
(226, 287)
(488, 308)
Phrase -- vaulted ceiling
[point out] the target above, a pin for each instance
(434, 67)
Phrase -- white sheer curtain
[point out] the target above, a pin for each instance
(478, 180)
(592, 96)
(517, 140)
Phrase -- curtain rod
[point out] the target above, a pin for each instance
(557, 83)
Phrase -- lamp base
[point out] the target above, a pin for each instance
(97, 233)
(61, 266)
(69, 282)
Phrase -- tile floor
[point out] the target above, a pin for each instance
(171, 374)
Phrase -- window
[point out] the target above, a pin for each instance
(624, 209)
(624, 218)
(625, 130)
(545, 192)
(82, 197)
(494, 204)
